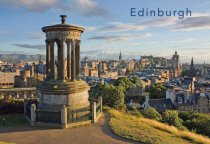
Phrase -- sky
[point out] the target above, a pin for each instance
(110, 28)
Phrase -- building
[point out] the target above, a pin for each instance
(25, 79)
(160, 105)
(7, 79)
(197, 102)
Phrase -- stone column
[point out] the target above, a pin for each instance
(94, 112)
(33, 114)
(68, 60)
(52, 61)
(73, 61)
(47, 58)
(64, 116)
(62, 58)
(77, 53)
(58, 60)
(101, 104)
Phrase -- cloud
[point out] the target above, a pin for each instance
(196, 21)
(88, 8)
(36, 35)
(192, 23)
(182, 40)
(121, 37)
(203, 4)
(160, 22)
(83, 7)
(38, 47)
(119, 27)
(110, 54)
(32, 5)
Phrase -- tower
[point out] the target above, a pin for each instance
(62, 93)
(192, 63)
(120, 56)
(192, 68)
(176, 63)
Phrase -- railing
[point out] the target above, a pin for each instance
(27, 106)
(79, 115)
(48, 117)
(97, 109)
(28, 110)
(66, 117)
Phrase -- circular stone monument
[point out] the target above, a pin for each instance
(63, 85)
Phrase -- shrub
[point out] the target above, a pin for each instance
(200, 123)
(11, 106)
(151, 113)
(171, 117)
(113, 96)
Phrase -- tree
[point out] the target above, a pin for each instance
(113, 96)
(197, 122)
(136, 81)
(156, 91)
(185, 73)
(171, 117)
(151, 113)
(124, 82)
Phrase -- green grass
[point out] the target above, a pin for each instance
(13, 120)
(151, 131)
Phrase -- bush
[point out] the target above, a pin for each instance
(113, 96)
(171, 117)
(156, 91)
(11, 106)
(151, 113)
(200, 123)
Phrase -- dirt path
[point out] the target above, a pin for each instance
(98, 133)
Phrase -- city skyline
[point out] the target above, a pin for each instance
(109, 28)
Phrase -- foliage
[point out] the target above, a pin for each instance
(156, 91)
(136, 81)
(124, 82)
(150, 131)
(190, 73)
(114, 94)
(13, 120)
(185, 73)
(198, 122)
(171, 117)
(11, 106)
(151, 113)
(39, 78)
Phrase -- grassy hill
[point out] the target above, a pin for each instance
(151, 131)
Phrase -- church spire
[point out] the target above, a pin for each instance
(120, 57)
(192, 63)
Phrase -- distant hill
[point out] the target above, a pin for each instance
(21, 57)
